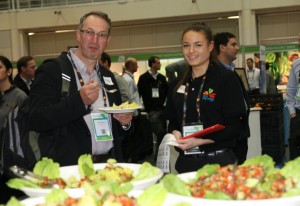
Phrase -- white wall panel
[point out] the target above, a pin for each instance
(142, 36)
(64, 40)
(42, 44)
(278, 28)
(119, 38)
(5, 44)
(168, 34)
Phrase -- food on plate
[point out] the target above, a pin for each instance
(126, 105)
(102, 195)
(112, 172)
(96, 195)
(256, 179)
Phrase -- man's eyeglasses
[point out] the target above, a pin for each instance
(89, 33)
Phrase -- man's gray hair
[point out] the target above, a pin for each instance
(99, 14)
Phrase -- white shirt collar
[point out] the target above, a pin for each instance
(153, 75)
(81, 67)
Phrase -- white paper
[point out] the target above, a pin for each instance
(163, 156)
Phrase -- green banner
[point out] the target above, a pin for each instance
(269, 48)
(173, 55)
(285, 47)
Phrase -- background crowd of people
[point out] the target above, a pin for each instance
(205, 91)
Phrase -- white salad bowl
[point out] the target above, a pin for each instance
(68, 171)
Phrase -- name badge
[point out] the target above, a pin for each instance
(190, 130)
(101, 126)
(155, 93)
(108, 81)
(181, 89)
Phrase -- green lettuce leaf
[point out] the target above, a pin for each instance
(207, 170)
(182, 204)
(265, 160)
(174, 184)
(216, 195)
(56, 196)
(291, 169)
(47, 168)
(85, 165)
(112, 186)
(14, 202)
(292, 192)
(146, 171)
(268, 182)
(17, 183)
(153, 195)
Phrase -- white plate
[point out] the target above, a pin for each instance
(114, 110)
(66, 172)
(290, 201)
(169, 201)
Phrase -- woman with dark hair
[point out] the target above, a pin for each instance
(10, 97)
(206, 95)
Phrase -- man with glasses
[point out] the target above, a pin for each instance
(72, 125)
(26, 70)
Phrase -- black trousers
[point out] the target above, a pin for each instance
(241, 150)
(6, 192)
(138, 144)
(190, 164)
(159, 127)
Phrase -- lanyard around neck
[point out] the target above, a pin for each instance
(186, 93)
(82, 82)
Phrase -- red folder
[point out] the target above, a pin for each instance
(206, 131)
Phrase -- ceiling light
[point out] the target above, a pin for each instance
(30, 33)
(64, 31)
(233, 17)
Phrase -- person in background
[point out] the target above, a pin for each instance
(10, 97)
(293, 105)
(226, 48)
(175, 70)
(26, 70)
(207, 95)
(153, 89)
(270, 81)
(131, 67)
(71, 126)
(105, 61)
(257, 61)
(132, 144)
(253, 76)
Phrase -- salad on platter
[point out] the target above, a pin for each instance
(256, 179)
(87, 172)
(107, 194)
